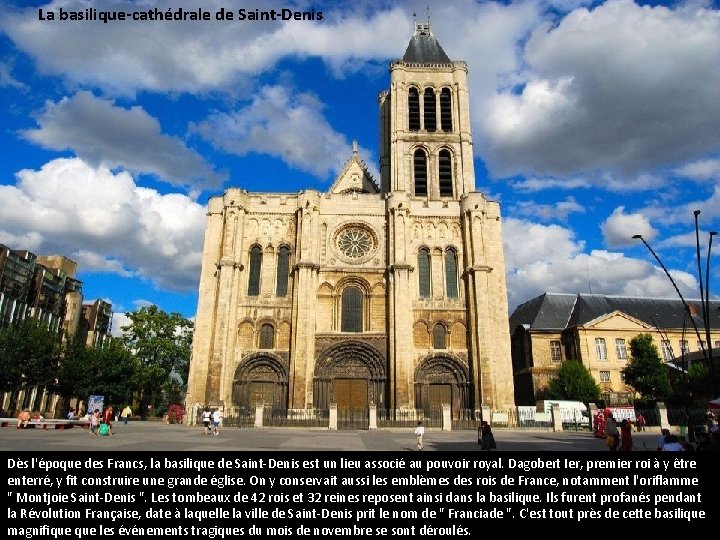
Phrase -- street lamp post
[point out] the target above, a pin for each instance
(704, 296)
(677, 290)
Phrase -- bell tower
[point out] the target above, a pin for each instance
(425, 137)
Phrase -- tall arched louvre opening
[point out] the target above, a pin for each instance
(445, 173)
(430, 112)
(414, 110)
(420, 169)
(445, 110)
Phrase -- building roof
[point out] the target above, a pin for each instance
(424, 48)
(551, 311)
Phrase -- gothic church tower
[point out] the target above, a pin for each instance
(445, 254)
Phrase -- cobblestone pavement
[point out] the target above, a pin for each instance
(156, 436)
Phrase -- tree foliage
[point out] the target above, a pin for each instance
(574, 382)
(645, 371)
(29, 355)
(160, 339)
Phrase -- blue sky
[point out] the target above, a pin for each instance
(592, 121)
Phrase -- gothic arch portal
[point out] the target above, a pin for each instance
(442, 379)
(261, 378)
(352, 374)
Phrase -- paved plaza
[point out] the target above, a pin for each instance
(157, 436)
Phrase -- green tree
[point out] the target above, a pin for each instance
(160, 339)
(645, 371)
(574, 382)
(74, 374)
(115, 373)
(29, 355)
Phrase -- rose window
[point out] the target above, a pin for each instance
(355, 243)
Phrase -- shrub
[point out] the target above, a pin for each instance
(175, 414)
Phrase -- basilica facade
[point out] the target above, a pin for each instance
(388, 293)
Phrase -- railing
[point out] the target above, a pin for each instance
(300, 418)
(353, 419)
(408, 418)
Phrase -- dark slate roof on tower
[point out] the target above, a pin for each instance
(424, 48)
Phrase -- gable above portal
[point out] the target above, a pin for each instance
(354, 177)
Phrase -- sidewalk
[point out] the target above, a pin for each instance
(156, 436)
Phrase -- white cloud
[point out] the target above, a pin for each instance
(621, 87)
(683, 213)
(548, 212)
(6, 78)
(119, 320)
(619, 228)
(541, 183)
(108, 221)
(703, 169)
(542, 258)
(197, 56)
(89, 261)
(288, 125)
(102, 133)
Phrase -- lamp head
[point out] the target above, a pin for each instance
(713, 233)
(637, 236)
(697, 213)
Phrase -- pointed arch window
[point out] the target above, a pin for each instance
(414, 109)
(283, 267)
(429, 110)
(255, 267)
(445, 173)
(445, 110)
(352, 310)
(267, 337)
(451, 278)
(420, 169)
(439, 337)
(424, 273)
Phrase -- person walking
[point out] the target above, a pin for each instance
(612, 435)
(419, 434)
(126, 414)
(626, 435)
(206, 419)
(217, 418)
(107, 419)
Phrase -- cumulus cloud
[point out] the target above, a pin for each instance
(103, 134)
(548, 212)
(702, 169)
(119, 320)
(196, 56)
(620, 87)
(683, 213)
(548, 258)
(106, 220)
(619, 228)
(285, 124)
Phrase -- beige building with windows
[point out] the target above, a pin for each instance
(390, 294)
(596, 330)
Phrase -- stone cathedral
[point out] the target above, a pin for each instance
(390, 294)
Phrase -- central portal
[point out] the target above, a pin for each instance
(351, 395)
(352, 375)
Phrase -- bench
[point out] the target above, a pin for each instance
(48, 423)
